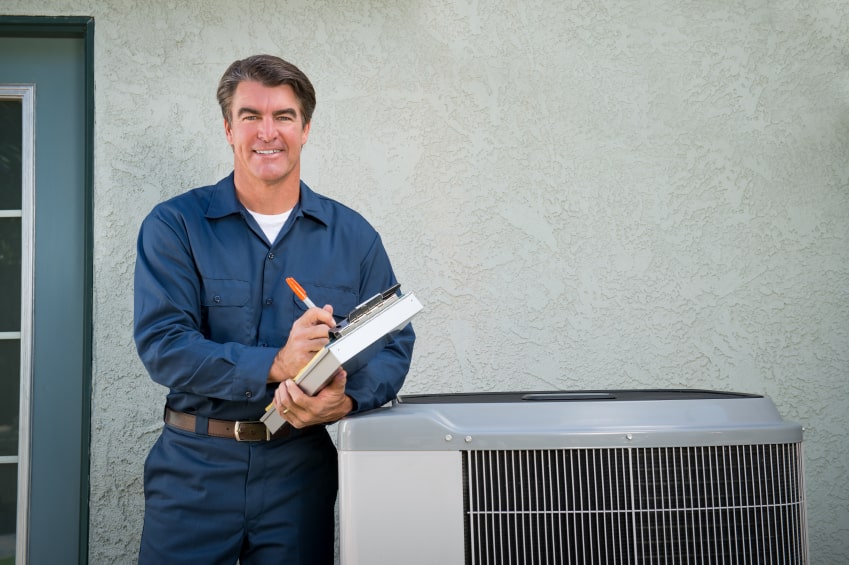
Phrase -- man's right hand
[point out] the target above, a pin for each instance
(309, 334)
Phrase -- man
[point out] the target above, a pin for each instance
(217, 325)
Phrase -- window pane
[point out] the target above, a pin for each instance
(10, 392)
(10, 154)
(8, 511)
(10, 274)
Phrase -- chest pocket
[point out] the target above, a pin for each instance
(225, 292)
(342, 299)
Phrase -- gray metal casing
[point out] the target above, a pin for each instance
(664, 418)
(401, 483)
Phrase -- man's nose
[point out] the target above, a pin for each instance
(267, 131)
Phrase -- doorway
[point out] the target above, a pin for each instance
(46, 110)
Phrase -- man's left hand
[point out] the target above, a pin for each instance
(301, 410)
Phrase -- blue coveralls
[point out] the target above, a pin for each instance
(211, 310)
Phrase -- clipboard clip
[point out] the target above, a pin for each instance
(365, 310)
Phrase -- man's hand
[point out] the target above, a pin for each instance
(309, 334)
(301, 410)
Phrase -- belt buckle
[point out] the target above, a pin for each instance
(237, 430)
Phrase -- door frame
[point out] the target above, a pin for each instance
(25, 94)
(80, 27)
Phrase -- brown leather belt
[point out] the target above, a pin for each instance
(238, 430)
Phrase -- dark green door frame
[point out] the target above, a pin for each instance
(41, 539)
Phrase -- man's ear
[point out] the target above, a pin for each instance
(305, 134)
(228, 132)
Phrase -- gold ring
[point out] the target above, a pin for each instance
(285, 410)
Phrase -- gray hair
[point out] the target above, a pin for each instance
(269, 71)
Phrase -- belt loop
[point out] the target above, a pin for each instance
(201, 425)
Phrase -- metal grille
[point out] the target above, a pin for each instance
(740, 504)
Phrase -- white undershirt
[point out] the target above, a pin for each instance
(271, 224)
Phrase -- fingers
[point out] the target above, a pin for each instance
(316, 317)
(309, 334)
(292, 403)
(285, 407)
(300, 409)
(340, 378)
(295, 394)
(281, 400)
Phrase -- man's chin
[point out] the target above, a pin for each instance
(272, 175)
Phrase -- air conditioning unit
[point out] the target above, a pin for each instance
(593, 477)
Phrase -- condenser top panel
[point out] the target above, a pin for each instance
(567, 419)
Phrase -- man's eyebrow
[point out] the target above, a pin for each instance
(254, 112)
(246, 110)
(286, 112)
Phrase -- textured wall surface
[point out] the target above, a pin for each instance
(583, 194)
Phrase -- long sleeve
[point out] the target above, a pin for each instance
(379, 379)
(168, 322)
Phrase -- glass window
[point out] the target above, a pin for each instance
(10, 274)
(10, 368)
(11, 254)
(8, 512)
(10, 154)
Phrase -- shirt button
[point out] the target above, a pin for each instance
(248, 394)
(269, 301)
(216, 299)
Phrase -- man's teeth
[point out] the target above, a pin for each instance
(268, 151)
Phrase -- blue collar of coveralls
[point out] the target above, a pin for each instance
(223, 202)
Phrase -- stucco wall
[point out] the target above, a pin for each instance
(583, 194)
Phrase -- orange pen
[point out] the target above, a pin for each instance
(299, 292)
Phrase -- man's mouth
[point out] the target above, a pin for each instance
(267, 151)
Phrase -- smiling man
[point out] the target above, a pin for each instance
(216, 324)
(267, 129)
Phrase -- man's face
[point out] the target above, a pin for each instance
(266, 133)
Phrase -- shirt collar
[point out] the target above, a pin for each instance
(223, 202)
